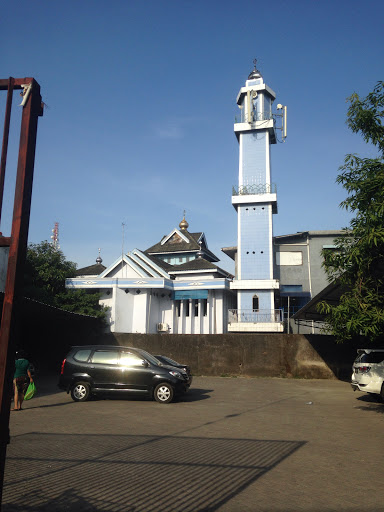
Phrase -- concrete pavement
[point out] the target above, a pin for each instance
(231, 445)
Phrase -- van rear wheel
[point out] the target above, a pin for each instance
(163, 393)
(80, 391)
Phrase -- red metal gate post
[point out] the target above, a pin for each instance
(16, 259)
(4, 148)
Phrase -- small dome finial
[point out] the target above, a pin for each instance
(98, 259)
(183, 224)
(255, 73)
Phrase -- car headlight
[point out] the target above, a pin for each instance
(177, 375)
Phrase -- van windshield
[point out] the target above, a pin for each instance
(152, 359)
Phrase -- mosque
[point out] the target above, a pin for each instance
(175, 285)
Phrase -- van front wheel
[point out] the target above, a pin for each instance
(163, 393)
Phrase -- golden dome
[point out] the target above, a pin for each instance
(183, 224)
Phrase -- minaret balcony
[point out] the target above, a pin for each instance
(254, 117)
(254, 189)
(256, 193)
(248, 320)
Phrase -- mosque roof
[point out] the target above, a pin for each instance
(198, 264)
(91, 270)
(176, 243)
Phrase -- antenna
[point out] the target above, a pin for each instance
(283, 120)
(55, 237)
(122, 247)
(122, 238)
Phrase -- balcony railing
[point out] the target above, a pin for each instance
(255, 116)
(255, 317)
(256, 189)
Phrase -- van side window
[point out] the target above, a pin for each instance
(130, 359)
(105, 357)
(82, 355)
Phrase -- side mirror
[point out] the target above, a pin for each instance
(145, 363)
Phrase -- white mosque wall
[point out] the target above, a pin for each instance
(125, 271)
(124, 310)
(134, 312)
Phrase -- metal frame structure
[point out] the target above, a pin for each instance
(17, 242)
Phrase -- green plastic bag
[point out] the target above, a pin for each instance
(30, 393)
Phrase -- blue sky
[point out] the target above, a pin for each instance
(141, 103)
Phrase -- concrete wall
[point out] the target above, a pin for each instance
(253, 355)
(47, 333)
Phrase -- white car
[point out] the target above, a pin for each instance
(368, 371)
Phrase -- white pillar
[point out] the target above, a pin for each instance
(114, 316)
(181, 318)
(174, 318)
(209, 312)
(213, 313)
(191, 317)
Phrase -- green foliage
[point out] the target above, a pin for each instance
(358, 262)
(365, 116)
(82, 302)
(46, 269)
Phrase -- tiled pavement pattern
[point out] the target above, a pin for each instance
(141, 473)
(232, 445)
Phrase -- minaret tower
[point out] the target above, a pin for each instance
(255, 202)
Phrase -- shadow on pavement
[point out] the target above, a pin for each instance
(379, 409)
(370, 398)
(374, 403)
(194, 395)
(123, 473)
(47, 405)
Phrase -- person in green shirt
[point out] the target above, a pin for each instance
(21, 379)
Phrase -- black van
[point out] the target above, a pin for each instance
(100, 369)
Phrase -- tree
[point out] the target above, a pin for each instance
(358, 261)
(46, 269)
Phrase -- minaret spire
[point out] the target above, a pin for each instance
(255, 73)
(183, 224)
(98, 259)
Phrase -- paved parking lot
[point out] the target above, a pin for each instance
(232, 445)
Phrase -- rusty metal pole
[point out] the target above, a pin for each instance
(17, 252)
(4, 148)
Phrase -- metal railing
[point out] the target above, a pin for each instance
(255, 317)
(255, 116)
(256, 189)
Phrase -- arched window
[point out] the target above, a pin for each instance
(255, 303)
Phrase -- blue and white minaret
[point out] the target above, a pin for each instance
(255, 202)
